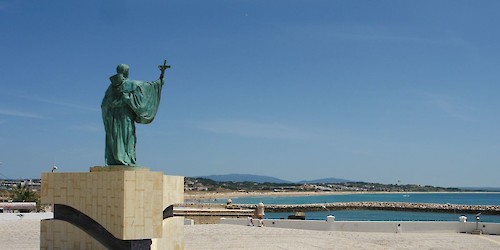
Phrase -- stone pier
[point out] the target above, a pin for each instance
(375, 205)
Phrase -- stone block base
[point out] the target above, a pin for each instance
(118, 205)
(58, 234)
(173, 235)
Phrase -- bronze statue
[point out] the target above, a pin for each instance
(125, 103)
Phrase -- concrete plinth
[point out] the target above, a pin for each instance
(111, 205)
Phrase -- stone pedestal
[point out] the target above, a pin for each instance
(127, 207)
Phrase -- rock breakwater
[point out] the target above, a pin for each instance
(393, 206)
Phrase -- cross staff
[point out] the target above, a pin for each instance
(163, 68)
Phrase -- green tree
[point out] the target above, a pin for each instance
(22, 193)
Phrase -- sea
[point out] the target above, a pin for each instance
(483, 198)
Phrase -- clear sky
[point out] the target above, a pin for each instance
(375, 91)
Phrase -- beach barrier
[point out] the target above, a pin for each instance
(330, 224)
(209, 214)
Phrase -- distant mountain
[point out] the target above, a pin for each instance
(326, 180)
(244, 177)
(262, 179)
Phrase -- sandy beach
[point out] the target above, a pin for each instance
(24, 234)
(191, 196)
(203, 195)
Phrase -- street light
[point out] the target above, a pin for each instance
(478, 218)
(477, 231)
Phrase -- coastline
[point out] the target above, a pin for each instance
(190, 196)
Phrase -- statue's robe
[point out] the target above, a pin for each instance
(125, 103)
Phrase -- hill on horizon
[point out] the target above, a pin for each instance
(326, 180)
(263, 179)
(244, 177)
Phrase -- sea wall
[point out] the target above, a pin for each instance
(377, 226)
(210, 214)
(394, 206)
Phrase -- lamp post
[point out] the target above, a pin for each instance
(325, 207)
(478, 218)
(330, 217)
(477, 230)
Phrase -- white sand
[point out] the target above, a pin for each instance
(243, 237)
(24, 234)
(19, 234)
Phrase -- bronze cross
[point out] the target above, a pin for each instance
(163, 68)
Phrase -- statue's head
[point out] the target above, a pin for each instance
(122, 69)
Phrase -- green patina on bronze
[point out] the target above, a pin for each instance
(125, 103)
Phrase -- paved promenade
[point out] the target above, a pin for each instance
(24, 234)
(242, 237)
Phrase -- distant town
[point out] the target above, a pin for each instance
(8, 188)
(205, 184)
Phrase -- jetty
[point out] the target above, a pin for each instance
(392, 206)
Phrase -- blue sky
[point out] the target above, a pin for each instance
(375, 91)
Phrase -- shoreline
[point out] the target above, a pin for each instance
(190, 196)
